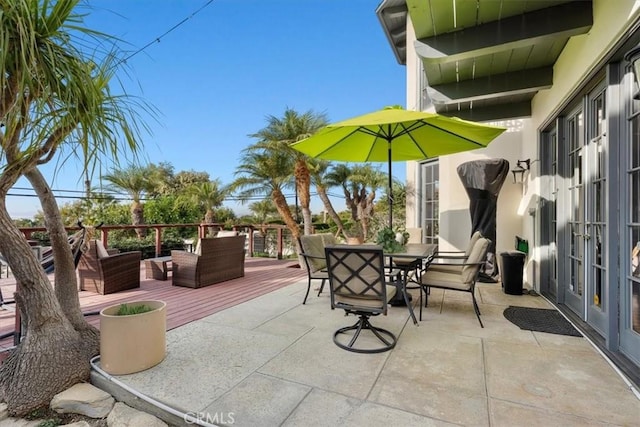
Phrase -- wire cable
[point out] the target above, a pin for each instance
(157, 39)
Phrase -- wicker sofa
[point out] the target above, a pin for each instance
(106, 272)
(220, 259)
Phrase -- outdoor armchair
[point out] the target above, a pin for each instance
(216, 259)
(463, 279)
(452, 261)
(106, 272)
(357, 280)
(312, 251)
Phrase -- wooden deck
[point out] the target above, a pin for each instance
(262, 275)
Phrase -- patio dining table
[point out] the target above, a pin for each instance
(410, 258)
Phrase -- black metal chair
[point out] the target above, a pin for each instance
(358, 284)
(462, 277)
(312, 251)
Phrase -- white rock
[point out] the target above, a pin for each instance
(19, 422)
(125, 416)
(84, 399)
(4, 414)
(77, 424)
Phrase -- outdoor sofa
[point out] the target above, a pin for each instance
(215, 260)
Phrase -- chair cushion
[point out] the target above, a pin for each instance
(445, 280)
(476, 255)
(226, 233)
(313, 245)
(198, 249)
(364, 301)
(472, 241)
(328, 239)
(101, 250)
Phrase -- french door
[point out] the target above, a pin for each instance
(585, 287)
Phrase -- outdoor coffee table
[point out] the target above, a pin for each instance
(157, 268)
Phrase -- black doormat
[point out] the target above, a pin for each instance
(540, 320)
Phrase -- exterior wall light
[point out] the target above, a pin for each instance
(633, 56)
(522, 166)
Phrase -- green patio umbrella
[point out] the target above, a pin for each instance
(396, 134)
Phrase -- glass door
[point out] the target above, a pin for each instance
(630, 276)
(595, 226)
(576, 223)
(585, 289)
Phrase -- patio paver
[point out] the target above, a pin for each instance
(271, 361)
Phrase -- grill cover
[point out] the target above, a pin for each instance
(482, 180)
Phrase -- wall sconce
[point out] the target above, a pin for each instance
(522, 166)
(633, 56)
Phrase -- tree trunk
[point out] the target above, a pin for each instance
(283, 209)
(303, 184)
(51, 357)
(208, 219)
(65, 279)
(322, 193)
(137, 218)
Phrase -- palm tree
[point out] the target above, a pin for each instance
(262, 210)
(320, 177)
(207, 196)
(266, 173)
(136, 182)
(279, 134)
(52, 98)
(359, 184)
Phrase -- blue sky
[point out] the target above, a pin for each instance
(215, 78)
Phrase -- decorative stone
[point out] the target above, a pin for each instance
(125, 416)
(78, 424)
(83, 399)
(4, 413)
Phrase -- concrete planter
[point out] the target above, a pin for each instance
(135, 342)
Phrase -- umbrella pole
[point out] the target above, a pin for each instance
(390, 195)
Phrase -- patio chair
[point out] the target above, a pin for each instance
(106, 272)
(312, 251)
(215, 260)
(357, 280)
(463, 279)
(452, 261)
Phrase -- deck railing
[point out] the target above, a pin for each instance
(280, 232)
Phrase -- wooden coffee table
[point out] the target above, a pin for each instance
(157, 268)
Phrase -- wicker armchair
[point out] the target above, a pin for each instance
(220, 259)
(105, 272)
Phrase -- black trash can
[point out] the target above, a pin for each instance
(512, 268)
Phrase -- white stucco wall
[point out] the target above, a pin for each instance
(455, 220)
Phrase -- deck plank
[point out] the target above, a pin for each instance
(184, 305)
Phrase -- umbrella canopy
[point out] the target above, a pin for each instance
(396, 134)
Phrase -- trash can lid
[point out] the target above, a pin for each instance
(513, 254)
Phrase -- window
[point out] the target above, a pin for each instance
(430, 201)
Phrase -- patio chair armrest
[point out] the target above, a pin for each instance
(311, 256)
(446, 256)
(184, 258)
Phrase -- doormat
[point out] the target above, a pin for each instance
(540, 320)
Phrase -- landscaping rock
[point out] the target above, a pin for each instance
(4, 414)
(84, 399)
(78, 424)
(19, 422)
(125, 416)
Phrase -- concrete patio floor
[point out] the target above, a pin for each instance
(271, 361)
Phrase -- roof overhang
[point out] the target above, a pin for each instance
(486, 59)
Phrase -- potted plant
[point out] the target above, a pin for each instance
(132, 336)
(392, 241)
(354, 233)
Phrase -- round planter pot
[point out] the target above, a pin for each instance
(133, 343)
(355, 240)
